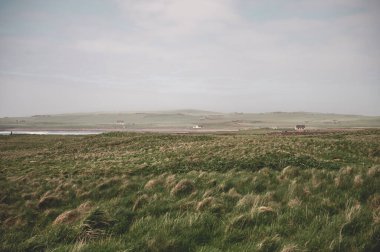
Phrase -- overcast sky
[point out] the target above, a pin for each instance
(223, 55)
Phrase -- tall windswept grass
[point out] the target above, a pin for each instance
(160, 192)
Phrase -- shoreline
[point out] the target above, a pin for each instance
(31, 131)
(86, 131)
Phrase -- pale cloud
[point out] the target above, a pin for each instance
(186, 15)
(110, 46)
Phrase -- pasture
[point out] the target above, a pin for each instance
(199, 192)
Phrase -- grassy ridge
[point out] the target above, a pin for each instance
(185, 119)
(160, 192)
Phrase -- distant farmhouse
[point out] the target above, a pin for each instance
(197, 127)
(299, 127)
(121, 123)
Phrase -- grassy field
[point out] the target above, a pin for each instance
(186, 119)
(164, 192)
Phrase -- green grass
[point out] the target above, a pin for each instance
(162, 192)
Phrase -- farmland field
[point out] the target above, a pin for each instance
(198, 192)
(184, 120)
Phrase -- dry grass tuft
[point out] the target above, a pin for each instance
(338, 181)
(352, 211)
(13, 222)
(268, 196)
(289, 172)
(240, 222)
(202, 174)
(194, 194)
(193, 173)
(376, 216)
(374, 201)
(83, 194)
(183, 187)
(170, 181)
(343, 181)
(67, 217)
(143, 199)
(79, 246)
(290, 248)
(358, 181)
(265, 171)
(85, 207)
(294, 203)
(265, 209)
(374, 171)
(47, 201)
(247, 200)
(63, 187)
(315, 181)
(94, 225)
(346, 170)
(208, 193)
(295, 188)
(30, 204)
(153, 183)
(306, 191)
(233, 193)
(269, 244)
(205, 203)
(108, 183)
(74, 215)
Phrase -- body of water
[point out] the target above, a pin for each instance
(51, 132)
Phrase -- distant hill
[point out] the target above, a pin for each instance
(186, 119)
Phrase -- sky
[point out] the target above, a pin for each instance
(219, 55)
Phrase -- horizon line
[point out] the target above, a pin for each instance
(183, 111)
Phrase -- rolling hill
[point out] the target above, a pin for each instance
(186, 119)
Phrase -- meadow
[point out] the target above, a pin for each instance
(184, 120)
(192, 192)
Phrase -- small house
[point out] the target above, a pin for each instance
(299, 127)
(121, 123)
(197, 127)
